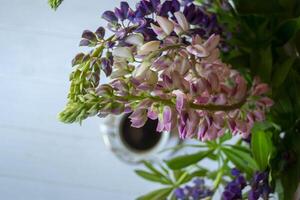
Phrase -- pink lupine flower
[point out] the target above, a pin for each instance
(192, 124)
(197, 50)
(184, 84)
(152, 113)
(181, 102)
(212, 42)
(259, 115)
(213, 81)
(138, 118)
(167, 120)
(265, 102)
(260, 89)
(241, 88)
(202, 130)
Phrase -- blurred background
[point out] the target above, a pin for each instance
(41, 158)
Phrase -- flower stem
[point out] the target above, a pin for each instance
(208, 107)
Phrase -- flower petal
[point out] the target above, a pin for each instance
(165, 24)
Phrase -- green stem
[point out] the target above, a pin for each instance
(209, 107)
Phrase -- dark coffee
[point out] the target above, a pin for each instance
(139, 139)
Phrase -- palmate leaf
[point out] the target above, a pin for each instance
(187, 160)
(160, 194)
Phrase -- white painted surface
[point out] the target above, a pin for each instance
(40, 158)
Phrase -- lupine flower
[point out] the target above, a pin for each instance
(197, 191)
(123, 52)
(182, 21)
(259, 186)
(135, 39)
(148, 47)
(233, 190)
(109, 16)
(161, 57)
(166, 25)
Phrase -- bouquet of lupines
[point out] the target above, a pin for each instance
(210, 70)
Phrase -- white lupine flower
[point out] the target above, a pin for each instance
(165, 24)
(123, 52)
(117, 73)
(141, 71)
(158, 31)
(177, 28)
(182, 21)
(151, 77)
(149, 47)
(135, 39)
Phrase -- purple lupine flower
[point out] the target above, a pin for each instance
(259, 186)
(233, 189)
(194, 192)
(106, 66)
(109, 16)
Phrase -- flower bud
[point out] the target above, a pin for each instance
(197, 50)
(158, 31)
(212, 42)
(138, 118)
(182, 21)
(260, 89)
(166, 25)
(149, 47)
(100, 32)
(123, 52)
(135, 39)
(141, 71)
(151, 77)
(110, 16)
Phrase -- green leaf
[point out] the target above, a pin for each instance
(153, 169)
(187, 160)
(261, 63)
(241, 148)
(54, 3)
(279, 189)
(287, 30)
(160, 194)
(227, 136)
(257, 6)
(241, 159)
(199, 173)
(185, 177)
(282, 71)
(262, 147)
(152, 177)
